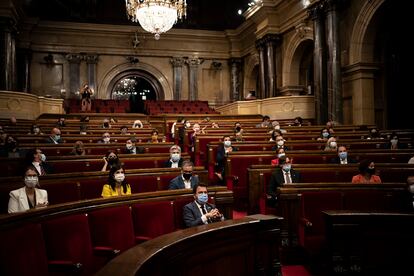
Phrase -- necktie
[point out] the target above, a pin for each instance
(288, 180)
(203, 209)
(42, 170)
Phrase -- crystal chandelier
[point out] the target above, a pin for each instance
(156, 16)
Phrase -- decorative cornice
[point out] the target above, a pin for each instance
(74, 58)
(194, 61)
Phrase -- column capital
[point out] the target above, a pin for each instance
(177, 61)
(235, 61)
(194, 61)
(91, 59)
(268, 39)
(73, 58)
(316, 10)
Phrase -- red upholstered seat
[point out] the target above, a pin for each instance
(312, 226)
(179, 204)
(92, 188)
(61, 192)
(112, 232)
(152, 219)
(23, 251)
(68, 243)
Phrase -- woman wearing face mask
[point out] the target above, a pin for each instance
(154, 137)
(366, 173)
(35, 130)
(238, 132)
(394, 142)
(325, 135)
(331, 144)
(222, 151)
(28, 197)
(117, 184)
(111, 160)
(175, 160)
(11, 148)
(78, 149)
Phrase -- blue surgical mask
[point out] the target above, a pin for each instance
(343, 155)
(280, 155)
(42, 157)
(325, 134)
(286, 167)
(202, 198)
(57, 137)
(227, 143)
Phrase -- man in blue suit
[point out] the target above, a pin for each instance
(186, 180)
(199, 211)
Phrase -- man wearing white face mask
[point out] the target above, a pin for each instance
(117, 185)
(199, 211)
(280, 143)
(28, 197)
(175, 160)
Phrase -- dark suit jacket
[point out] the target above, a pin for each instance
(46, 167)
(192, 214)
(49, 140)
(138, 150)
(277, 179)
(221, 157)
(336, 160)
(178, 182)
(168, 163)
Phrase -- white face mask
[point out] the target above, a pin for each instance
(187, 125)
(129, 146)
(175, 157)
(277, 127)
(31, 181)
(119, 177)
(42, 157)
(227, 143)
(280, 143)
(333, 144)
(106, 139)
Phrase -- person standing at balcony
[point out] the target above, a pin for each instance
(86, 93)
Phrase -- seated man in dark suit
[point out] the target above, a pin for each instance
(54, 137)
(199, 211)
(185, 180)
(175, 160)
(284, 174)
(342, 157)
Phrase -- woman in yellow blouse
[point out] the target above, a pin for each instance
(117, 185)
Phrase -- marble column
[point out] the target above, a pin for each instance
(235, 81)
(92, 61)
(74, 71)
(177, 63)
(262, 80)
(270, 42)
(319, 64)
(335, 109)
(7, 54)
(193, 64)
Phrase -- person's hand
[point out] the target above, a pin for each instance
(105, 160)
(42, 204)
(213, 213)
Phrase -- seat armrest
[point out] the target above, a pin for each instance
(68, 267)
(305, 222)
(106, 251)
(232, 181)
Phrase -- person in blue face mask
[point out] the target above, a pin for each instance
(199, 211)
(284, 174)
(54, 137)
(343, 157)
